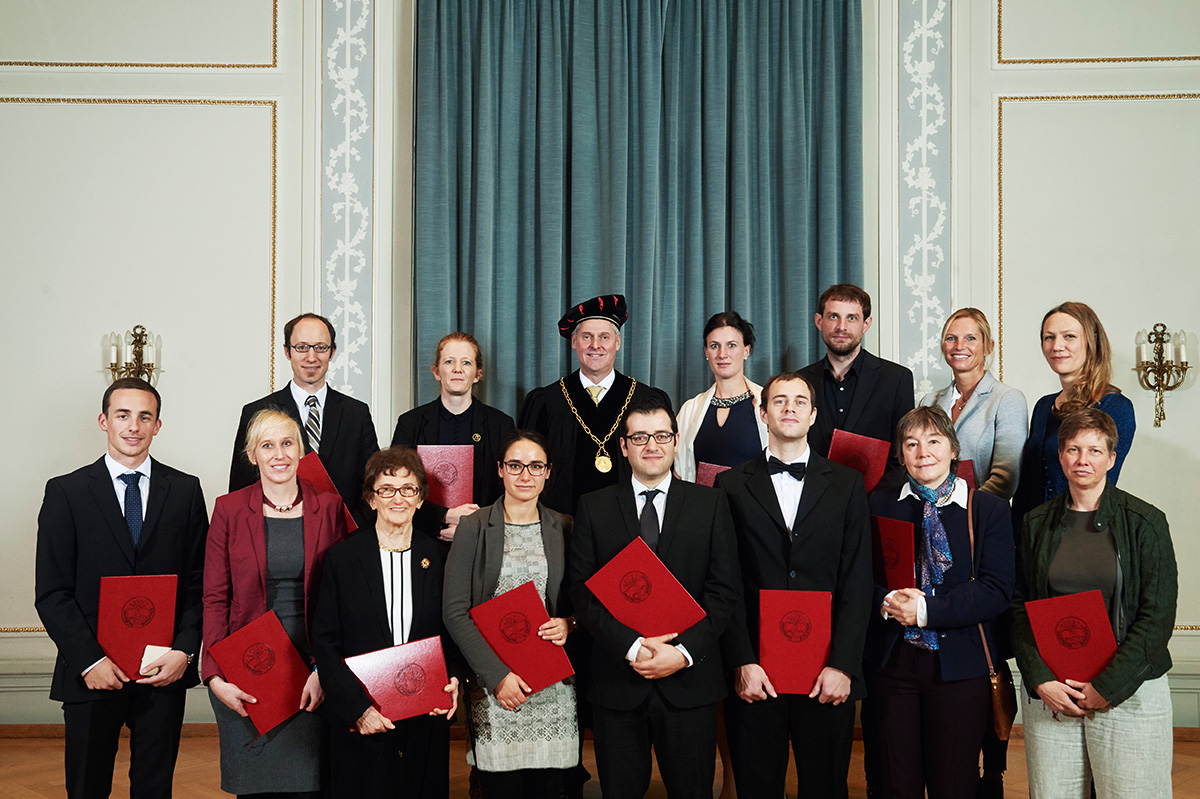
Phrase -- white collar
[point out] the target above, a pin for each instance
(802, 459)
(115, 469)
(958, 496)
(606, 383)
(664, 486)
(300, 396)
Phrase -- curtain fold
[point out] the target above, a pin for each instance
(695, 156)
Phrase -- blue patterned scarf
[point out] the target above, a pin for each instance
(934, 558)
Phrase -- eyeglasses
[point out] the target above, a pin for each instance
(387, 492)
(303, 348)
(537, 468)
(641, 439)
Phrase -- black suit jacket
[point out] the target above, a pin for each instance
(546, 411)
(347, 441)
(697, 545)
(884, 393)
(827, 549)
(420, 426)
(82, 536)
(352, 617)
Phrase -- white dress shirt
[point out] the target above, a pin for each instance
(397, 578)
(788, 489)
(300, 397)
(604, 384)
(115, 470)
(660, 506)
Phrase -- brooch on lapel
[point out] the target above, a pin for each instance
(424, 563)
(476, 437)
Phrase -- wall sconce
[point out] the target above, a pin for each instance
(138, 353)
(1159, 371)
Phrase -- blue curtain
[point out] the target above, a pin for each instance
(696, 156)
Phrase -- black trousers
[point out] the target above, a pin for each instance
(526, 783)
(822, 736)
(93, 730)
(684, 742)
(927, 730)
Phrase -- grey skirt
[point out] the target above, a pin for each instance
(286, 759)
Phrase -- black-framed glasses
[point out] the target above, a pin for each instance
(387, 492)
(537, 468)
(641, 439)
(303, 348)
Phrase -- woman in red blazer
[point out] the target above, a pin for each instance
(265, 547)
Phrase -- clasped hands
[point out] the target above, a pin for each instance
(658, 658)
(108, 676)
(1072, 698)
(901, 605)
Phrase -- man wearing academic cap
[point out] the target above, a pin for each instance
(579, 414)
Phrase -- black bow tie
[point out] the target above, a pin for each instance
(796, 470)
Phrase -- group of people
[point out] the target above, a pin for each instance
(596, 460)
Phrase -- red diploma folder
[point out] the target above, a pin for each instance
(450, 470)
(706, 473)
(312, 470)
(262, 661)
(1073, 634)
(135, 611)
(641, 593)
(966, 470)
(894, 553)
(509, 623)
(865, 455)
(405, 680)
(793, 637)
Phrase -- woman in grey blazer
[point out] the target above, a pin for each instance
(990, 418)
(523, 743)
(991, 422)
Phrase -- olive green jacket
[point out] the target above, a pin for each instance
(1147, 589)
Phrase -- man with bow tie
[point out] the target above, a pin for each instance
(801, 524)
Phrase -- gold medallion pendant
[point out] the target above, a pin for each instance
(603, 462)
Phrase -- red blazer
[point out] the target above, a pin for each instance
(235, 561)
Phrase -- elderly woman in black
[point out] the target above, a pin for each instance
(926, 667)
(383, 587)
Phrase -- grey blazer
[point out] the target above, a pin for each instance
(473, 569)
(991, 432)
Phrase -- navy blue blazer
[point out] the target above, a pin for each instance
(960, 603)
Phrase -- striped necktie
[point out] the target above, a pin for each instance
(313, 425)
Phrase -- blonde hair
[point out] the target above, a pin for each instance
(269, 419)
(1095, 379)
(985, 329)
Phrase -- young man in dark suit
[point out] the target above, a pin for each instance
(801, 524)
(334, 425)
(853, 390)
(659, 691)
(125, 514)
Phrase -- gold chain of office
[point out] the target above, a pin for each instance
(602, 462)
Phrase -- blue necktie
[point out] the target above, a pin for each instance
(133, 506)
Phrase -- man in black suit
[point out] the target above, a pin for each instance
(336, 426)
(125, 514)
(659, 691)
(579, 414)
(854, 390)
(801, 524)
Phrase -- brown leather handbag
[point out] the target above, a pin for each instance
(1004, 694)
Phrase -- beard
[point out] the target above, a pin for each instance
(845, 348)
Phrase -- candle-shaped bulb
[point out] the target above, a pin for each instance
(1181, 347)
(158, 351)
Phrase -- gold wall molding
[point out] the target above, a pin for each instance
(1035, 98)
(164, 64)
(272, 104)
(1000, 59)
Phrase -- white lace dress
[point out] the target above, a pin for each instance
(544, 734)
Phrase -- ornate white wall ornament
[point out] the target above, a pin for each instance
(347, 93)
(924, 188)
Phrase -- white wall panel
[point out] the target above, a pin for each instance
(213, 33)
(1097, 30)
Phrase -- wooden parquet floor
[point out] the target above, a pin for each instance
(31, 768)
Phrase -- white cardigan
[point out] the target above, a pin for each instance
(691, 416)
